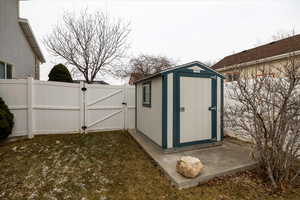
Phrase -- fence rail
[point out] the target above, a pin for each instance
(42, 107)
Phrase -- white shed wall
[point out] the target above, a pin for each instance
(149, 119)
(170, 110)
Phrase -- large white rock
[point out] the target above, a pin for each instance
(189, 167)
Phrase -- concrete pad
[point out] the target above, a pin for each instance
(225, 159)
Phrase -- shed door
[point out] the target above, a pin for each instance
(196, 109)
(195, 117)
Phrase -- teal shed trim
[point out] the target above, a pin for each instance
(214, 103)
(176, 136)
(179, 68)
(222, 109)
(176, 107)
(165, 111)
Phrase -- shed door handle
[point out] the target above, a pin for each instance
(212, 108)
(182, 109)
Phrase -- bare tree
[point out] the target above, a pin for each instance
(266, 109)
(282, 34)
(92, 43)
(210, 62)
(145, 65)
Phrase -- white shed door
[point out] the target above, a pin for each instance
(195, 117)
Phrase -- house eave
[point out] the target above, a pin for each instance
(178, 67)
(26, 28)
(260, 61)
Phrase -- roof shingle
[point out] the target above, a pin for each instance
(275, 48)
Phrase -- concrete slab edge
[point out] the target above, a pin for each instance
(205, 179)
(194, 182)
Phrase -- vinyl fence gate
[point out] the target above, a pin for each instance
(45, 107)
(110, 106)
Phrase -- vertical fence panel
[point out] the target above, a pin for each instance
(57, 107)
(130, 107)
(14, 93)
(81, 104)
(125, 106)
(30, 113)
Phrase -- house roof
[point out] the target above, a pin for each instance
(25, 26)
(275, 48)
(134, 77)
(171, 69)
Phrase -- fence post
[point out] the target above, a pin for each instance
(81, 106)
(30, 113)
(125, 100)
(85, 108)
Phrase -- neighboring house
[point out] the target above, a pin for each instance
(271, 56)
(20, 55)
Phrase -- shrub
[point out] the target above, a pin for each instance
(266, 110)
(60, 73)
(6, 120)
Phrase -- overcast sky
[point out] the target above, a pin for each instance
(184, 30)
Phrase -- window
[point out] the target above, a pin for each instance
(147, 94)
(232, 76)
(5, 71)
(2, 70)
(229, 77)
(236, 76)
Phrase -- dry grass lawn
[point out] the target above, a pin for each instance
(106, 166)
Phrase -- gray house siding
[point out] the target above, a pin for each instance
(14, 48)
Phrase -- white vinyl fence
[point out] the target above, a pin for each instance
(43, 107)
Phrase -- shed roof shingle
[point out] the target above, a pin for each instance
(275, 48)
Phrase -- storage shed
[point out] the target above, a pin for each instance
(181, 106)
